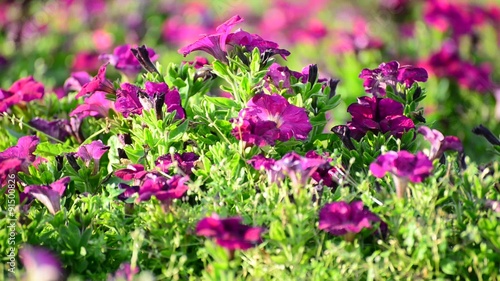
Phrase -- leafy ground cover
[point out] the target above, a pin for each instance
(249, 141)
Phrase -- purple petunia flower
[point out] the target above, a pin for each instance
(162, 188)
(439, 143)
(132, 99)
(76, 81)
(132, 172)
(93, 151)
(389, 74)
(19, 157)
(124, 60)
(128, 191)
(49, 195)
(268, 118)
(325, 173)
(40, 264)
(23, 90)
(58, 129)
(404, 166)
(185, 161)
(96, 105)
(125, 273)
(230, 233)
(346, 219)
(378, 115)
(217, 44)
(98, 83)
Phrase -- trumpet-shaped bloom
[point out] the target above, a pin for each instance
(98, 83)
(124, 60)
(377, 115)
(389, 74)
(342, 218)
(59, 129)
(96, 105)
(40, 264)
(268, 118)
(185, 161)
(230, 233)
(162, 188)
(439, 143)
(217, 44)
(403, 165)
(76, 81)
(49, 195)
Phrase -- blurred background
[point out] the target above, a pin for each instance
(456, 41)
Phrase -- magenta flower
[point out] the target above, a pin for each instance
(23, 90)
(346, 219)
(127, 100)
(49, 195)
(132, 172)
(298, 168)
(98, 83)
(230, 233)
(40, 262)
(19, 157)
(125, 273)
(58, 129)
(185, 162)
(172, 97)
(96, 105)
(378, 115)
(93, 151)
(389, 74)
(76, 81)
(162, 188)
(268, 118)
(124, 60)
(85, 61)
(279, 76)
(404, 166)
(217, 44)
(325, 174)
(439, 143)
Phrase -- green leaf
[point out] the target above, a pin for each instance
(222, 102)
(47, 149)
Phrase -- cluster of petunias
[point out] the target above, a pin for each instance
(153, 183)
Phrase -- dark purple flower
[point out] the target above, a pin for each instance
(346, 219)
(128, 191)
(124, 60)
(439, 143)
(49, 195)
(172, 97)
(162, 188)
(125, 273)
(40, 264)
(230, 233)
(76, 81)
(184, 161)
(378, 115)
(389, 74)
(325, 173)
(96, 105)
(58, 129)
(217, 44)
(268, 118)
(98, 83)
